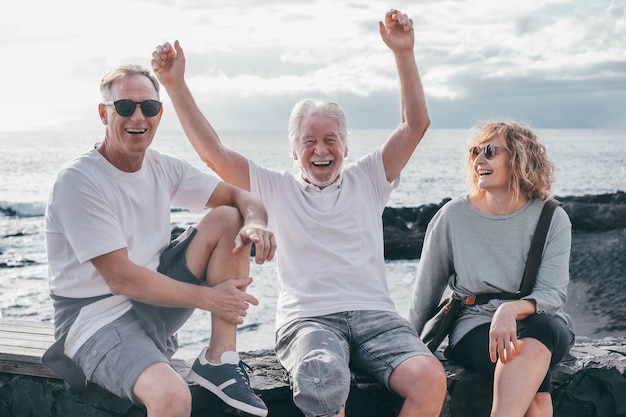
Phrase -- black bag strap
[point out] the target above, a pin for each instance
(532, 262)
(536, 246)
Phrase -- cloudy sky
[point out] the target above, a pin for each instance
(551, 63)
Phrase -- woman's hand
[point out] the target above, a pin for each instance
(503, 334)
(503, 342)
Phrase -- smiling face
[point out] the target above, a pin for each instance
(320, 150)
(493, 175)
(522, 169)
(127, 138)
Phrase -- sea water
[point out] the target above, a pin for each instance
(587, 162)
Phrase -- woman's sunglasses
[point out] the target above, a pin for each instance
(126, 107)
(489, 151)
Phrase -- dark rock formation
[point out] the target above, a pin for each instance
(404, 227)
(591, 383)
(596, 213)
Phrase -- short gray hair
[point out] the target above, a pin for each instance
(308, 107)
(123, 71)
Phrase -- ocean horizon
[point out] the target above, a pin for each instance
(587, 162)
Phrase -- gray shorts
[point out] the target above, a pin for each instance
(119, 352)
(319, 352)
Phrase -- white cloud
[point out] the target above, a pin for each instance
(564, 52)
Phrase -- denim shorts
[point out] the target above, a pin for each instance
(319, 353)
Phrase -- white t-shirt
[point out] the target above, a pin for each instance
(94, 209)
(330, 255)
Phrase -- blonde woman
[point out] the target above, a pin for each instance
(478, 243)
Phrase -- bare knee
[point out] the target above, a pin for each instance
(422, 376)
(163, 392)
(421, 381)
(174, 402)
(222, 223)
(210, 253)
(222, 217)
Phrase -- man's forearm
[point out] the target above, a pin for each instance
(413, 101)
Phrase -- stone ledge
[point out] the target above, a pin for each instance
(469, 395)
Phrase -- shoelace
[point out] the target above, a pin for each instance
(242, 372)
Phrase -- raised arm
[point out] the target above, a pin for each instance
(168, 64)
(397, 33)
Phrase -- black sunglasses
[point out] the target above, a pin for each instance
(126, 107)
(489, 151)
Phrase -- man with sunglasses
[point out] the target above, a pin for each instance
(121, 289)
(334, 310)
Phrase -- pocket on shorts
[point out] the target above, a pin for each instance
(95, 350)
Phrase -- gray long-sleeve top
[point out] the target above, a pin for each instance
(472, 252)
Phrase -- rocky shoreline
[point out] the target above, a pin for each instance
(589, 384)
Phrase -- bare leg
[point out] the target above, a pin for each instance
(421, 381)
(163, 392)
(516, 383)
(541, 406)
(210, 255)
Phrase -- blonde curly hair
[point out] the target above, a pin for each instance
(532, 171)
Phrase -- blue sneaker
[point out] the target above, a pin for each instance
(229, 381)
